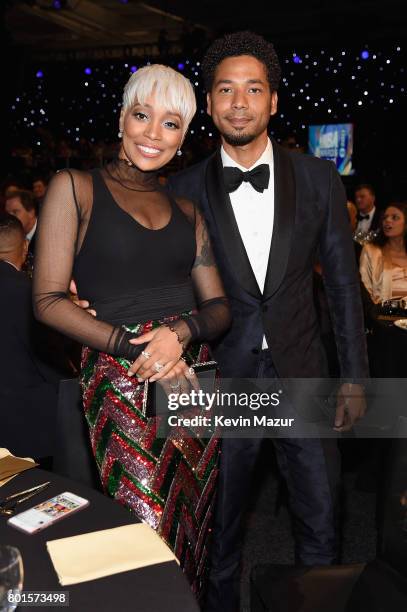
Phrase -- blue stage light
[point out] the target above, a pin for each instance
(133, 69)
(39, 74)
(88, 70)
(181, 66)
(364, 55)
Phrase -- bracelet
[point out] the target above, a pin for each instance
(171, 328)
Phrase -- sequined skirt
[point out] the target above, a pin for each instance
(169, 482)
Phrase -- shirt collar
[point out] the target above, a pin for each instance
(369, 215)
(265, 158)
(32, 231)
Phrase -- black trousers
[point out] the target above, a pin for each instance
(311, 469)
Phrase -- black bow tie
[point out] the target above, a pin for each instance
(360, 217)
(258, 177)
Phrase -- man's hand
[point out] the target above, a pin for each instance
(84, 304)
(350, 407)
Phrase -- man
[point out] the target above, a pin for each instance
(27, 399)
(21, 204)
(39, 189)
(368, 217)
(269, 211)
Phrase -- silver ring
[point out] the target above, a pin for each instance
(146, 354)
(191, 372)
(158, 366)
(176, 386)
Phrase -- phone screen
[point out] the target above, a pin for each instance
(48, 512)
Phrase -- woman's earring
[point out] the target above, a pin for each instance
(179, 152)
(120, 134)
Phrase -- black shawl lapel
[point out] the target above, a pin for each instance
(284, 219)
(228, 230)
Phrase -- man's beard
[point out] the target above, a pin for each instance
(239, 140)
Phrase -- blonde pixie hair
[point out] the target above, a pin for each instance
(171, 88)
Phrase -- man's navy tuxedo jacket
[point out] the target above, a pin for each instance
(310, 222)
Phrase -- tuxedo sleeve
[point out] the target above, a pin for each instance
(342, 284)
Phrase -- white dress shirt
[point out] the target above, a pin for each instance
(364, 224)
(254, 214)
(31, 232)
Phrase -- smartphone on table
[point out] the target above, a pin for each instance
(48, 512)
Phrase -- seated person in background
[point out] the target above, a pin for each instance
(9, 187)
(383, 262)
(27, 399)
(39, 189)
(21, 204)
(368, 217)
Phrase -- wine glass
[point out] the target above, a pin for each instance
(11, 577)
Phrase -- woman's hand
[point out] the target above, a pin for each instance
(160, 355)
(180, 379)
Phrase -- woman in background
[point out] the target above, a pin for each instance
(144, 261)
(383, 262)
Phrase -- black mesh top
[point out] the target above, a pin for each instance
(135, 253)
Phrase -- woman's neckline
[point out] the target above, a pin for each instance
(130, 177)
(129, 215)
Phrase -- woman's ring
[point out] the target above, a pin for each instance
(158, 366)
(146, 354)
(191, 372)
(176, 386)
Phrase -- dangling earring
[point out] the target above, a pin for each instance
(120, 134)
(179, 152)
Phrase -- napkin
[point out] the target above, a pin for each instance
(10, 465)
(103, 553)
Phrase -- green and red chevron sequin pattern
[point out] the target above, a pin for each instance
(169, 482)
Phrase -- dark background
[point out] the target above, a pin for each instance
(47, 46)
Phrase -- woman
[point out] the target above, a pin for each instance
(383, 262)
(383, 268)
(140, 258)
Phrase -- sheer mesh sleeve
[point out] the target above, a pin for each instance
(60, 227)
(214, 316)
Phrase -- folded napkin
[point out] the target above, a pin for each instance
(10, 466)
(103, 553)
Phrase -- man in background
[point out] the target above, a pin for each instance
(21, 204)
(39, 189)
(368, 216)
(28, 399)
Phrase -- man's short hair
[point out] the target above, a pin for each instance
(365, 186)
(241, 43)
(26, 198)
(9, 225)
